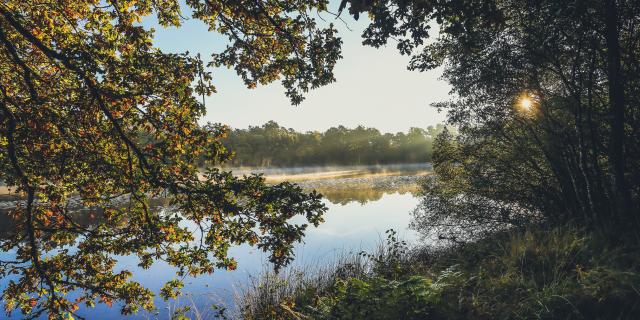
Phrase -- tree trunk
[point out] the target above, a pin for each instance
(616, 109)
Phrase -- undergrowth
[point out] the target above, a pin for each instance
(539, 273)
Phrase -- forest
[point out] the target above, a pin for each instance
(273, 145)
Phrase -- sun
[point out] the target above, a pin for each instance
(526, 103)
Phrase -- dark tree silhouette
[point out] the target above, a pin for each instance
(547, 106)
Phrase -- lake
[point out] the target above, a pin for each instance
(363, 202)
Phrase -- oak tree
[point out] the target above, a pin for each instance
(94, 115)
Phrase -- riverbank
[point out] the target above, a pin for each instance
(538, 273)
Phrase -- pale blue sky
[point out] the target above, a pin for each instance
(373, 87)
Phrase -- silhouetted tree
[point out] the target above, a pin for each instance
(547, 96)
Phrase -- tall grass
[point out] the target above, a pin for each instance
(538, 273)
(277, 296)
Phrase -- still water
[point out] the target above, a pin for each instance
(360, 209)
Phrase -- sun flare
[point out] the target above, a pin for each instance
(526, 103)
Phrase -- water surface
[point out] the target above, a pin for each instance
(360, 209)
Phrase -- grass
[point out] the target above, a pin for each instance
(538, 273)
(189, 307)
(270, 296)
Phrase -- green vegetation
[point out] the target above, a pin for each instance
(538, 193)
(273, 145)
(537, 197)
(539, 273)
(545, 104)
(80, 82)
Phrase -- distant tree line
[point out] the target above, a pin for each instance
(274, 145)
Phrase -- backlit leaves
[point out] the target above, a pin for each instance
(95, 117)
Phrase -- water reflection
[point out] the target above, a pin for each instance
(364, 189)
(337, 195)
(86, 217)
(344, 196)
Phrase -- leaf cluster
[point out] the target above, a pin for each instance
(94, 115)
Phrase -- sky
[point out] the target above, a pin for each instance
(373, 87)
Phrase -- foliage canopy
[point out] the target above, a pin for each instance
(92, 111)
(571, 151)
